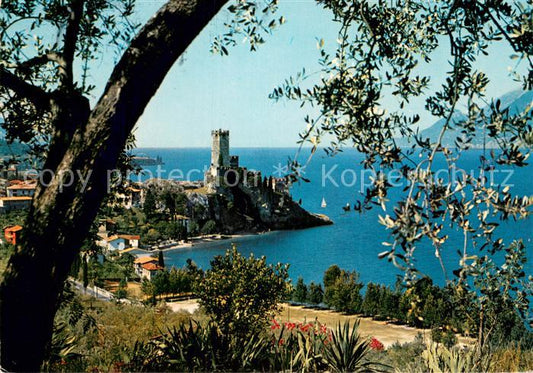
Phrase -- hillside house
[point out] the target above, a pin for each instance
(22, 189)
(149, 270)
(184, 221)
(106, 228)
(134, 197)
(12, 234)
(10, 172)
(121, 242)
(146, 267)
(8, 204)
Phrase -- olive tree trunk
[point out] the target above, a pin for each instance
(89, 145)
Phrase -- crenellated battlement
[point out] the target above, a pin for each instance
(220, 132)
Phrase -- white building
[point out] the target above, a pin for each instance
(146, 267)
(24, 189)
(8, 204)
(121, 242)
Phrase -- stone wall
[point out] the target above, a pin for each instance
(220, 149)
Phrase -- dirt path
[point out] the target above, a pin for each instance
(184, 305)
(388, 334)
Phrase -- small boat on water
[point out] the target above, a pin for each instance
(323, 204)
(144, 160)
(347, 207)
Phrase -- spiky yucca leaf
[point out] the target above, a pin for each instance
(347, 350)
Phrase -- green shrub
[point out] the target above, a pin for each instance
(241, 294)
(449, 339)
(406, 357)
(315, 294)
(300, 292)
(436, 335)
(209, 227)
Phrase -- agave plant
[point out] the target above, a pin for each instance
(348, 350)
(298, 350)
(194, 346)
(146, 357)
(441, 359)
(255, 354)
(62, 349)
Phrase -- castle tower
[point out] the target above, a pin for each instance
(220, 149)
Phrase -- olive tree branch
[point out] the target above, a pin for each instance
(70, 40)
(43, 59)
(36, 95)
(505, 34)
(15, 21)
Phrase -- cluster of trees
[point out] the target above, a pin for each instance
(342, 291)
(167, 204)
(312, 294)
(151, 227)
(163, 230)
(160, 218)
(175, 281)
(93, 269)
(242, 294)
(423, 305)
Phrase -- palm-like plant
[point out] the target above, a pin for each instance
(347, 350)
(299, 351)
(440, 359)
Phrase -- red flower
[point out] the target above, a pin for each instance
(281, 341)
(306, 327)
(275, 325)
(376, 345)
(323, 329)
(290, 325)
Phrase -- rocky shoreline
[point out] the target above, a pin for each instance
(255, 210)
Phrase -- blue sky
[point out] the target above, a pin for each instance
(205, 91)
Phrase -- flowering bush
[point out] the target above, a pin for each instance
(317, 328)
(376, 345)
(289, 346)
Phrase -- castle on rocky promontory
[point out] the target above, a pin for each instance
(242, 199)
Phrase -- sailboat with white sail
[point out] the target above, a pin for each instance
(323, 204)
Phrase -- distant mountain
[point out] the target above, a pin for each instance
(521, 103)
(516, 101)
(433, 132)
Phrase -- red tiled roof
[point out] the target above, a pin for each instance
(21, 198)
(111, 238)
(152, 267)
(129, 236)
(122, 236)
(145, 259)
(14, 228)
(22, 186)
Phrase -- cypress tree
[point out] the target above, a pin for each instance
(85, 272)
(161, 259)
(300, 293)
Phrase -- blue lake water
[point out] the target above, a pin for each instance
(354, 240)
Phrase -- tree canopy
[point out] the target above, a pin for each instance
(45, 53)
(377, 55)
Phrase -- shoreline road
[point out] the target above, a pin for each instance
(93, 291)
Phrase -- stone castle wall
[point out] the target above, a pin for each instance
(220, 150)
